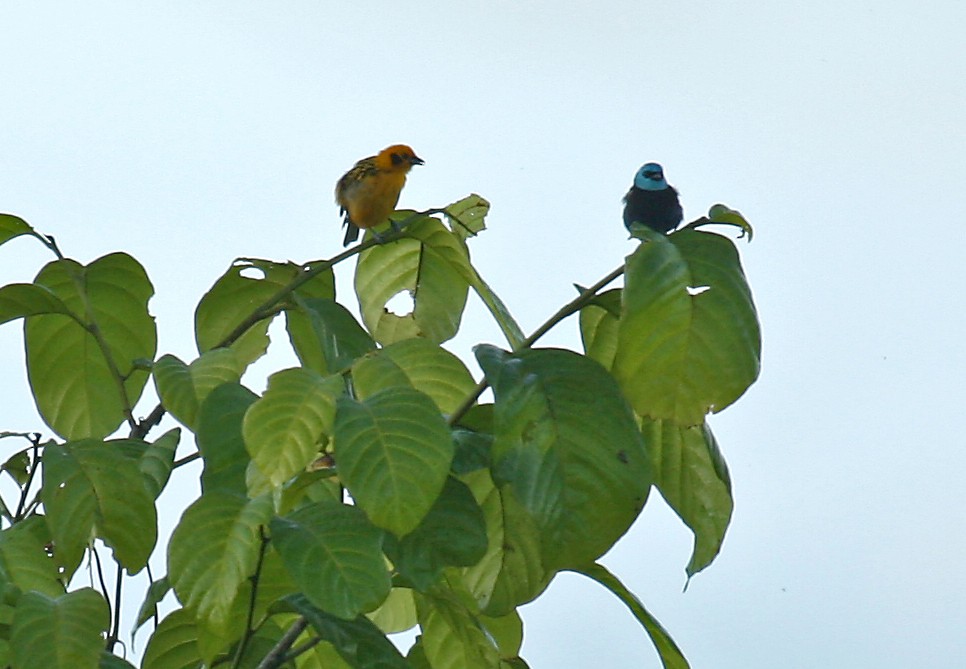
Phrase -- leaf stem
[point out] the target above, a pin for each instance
(243, 644)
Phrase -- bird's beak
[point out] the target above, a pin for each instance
(416, 160)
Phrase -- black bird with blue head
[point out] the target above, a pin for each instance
(651, 201)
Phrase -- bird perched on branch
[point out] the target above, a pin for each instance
(652, 201)
(368, 193)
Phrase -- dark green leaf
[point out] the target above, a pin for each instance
(59, 633)
(568, 447)
(394, 452)
(13, 226)
(149, 607)
(333, 554)
(325, 335)
(220, 440)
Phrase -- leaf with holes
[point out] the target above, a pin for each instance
(84, 378)
(394, 452)
(688, 340)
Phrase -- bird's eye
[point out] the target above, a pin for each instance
(396, 159)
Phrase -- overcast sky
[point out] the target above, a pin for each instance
(188, 134)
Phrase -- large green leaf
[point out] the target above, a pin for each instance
(360, 643)
(59, 633)
(182, 388)
(325, 336)
(688, 341)
(13, 226)
(568, 447)
(416, 363)
(214, 550)
(83, 383)
(429, 264)
(220, 440)
(333, 554)
(511, 571)
(693, 478)
(284, 428)
(95, 487)
(174, 644)
(24, 561)
(247, 285)
(453, 533)
(393, 451)
(671, 656)
(452, 638)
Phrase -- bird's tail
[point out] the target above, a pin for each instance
(351, 232)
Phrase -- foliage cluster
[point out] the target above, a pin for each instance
(368, 490)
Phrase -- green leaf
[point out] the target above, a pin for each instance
(214, 549)
(419, 364)
(466, 216)
(693, 478)
(157, 461)
(149, 607)
(397, 613)
(688, 341)
(182, 388)
(568, 447)
(18, 300)
(23, 558)
(94, 486)
(13, 226)
(671, 656)
(511, 572)
(719, 213)
(452, 638)
(59, 633)
(283, 429)
(109, 661)
(18, 466)
(334, 555)
(453, 533)
(220, 440)
(427, 264)
(393, 452)
(358, 641)
(507, 632)
(325, 335)
(599, 323)
(174, 644)
(74, 385)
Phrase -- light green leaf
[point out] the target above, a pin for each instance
(429, 264)
(671, 656)
(568, 447)
(720, 213)
(18, 300)
(59, 633)
(452, 638)
(174, 644)
(74, 387)
(397, 613)
(284, 428)
(333, 553)
(220, 440)
(419, 364)
(13, 226)
(214, 549)
(182, 388)
(688, 341)
(467, 216)
(393, 451)
(93, 486)
(693, 478)
(599, 323)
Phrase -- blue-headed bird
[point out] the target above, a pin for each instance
(652, 201)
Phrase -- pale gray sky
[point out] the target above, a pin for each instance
(190, 133)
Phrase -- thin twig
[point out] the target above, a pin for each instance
(275, 657)
(34, 439)
(568, 309)
(246, 637)
(116, 628)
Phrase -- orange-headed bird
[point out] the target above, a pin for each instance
(368, 193)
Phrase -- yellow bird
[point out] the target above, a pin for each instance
(368, 193)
